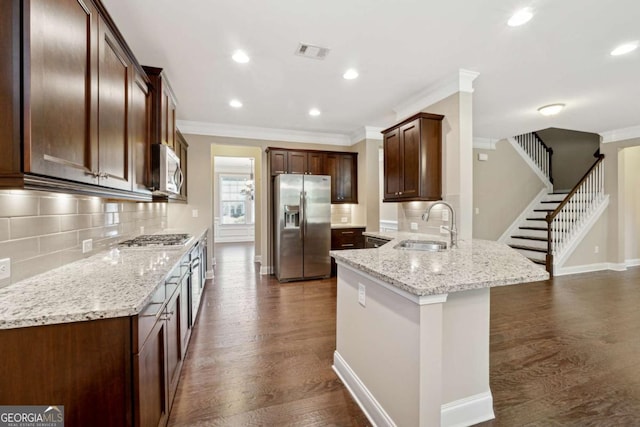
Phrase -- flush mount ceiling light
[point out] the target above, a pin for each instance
(550, 110)
(314, 112)
(240, 57)
(350, 74)
(624, 48)
(235, 103)
(521, 17)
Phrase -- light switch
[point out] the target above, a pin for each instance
(194, 213)
(362, 294)
(483, 157)
(414, 226)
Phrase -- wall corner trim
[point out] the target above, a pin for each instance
(462, 81)
(470, 410)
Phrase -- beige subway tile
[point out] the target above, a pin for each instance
(90, 233)
(4, 229)
(58, 205)
(15, 205)
(33, 226)
(72, 255)
(75, 222)
(112, 207)
(58, 242)
(20, 249)
(30, 267)
(89, 205)
(99, 219)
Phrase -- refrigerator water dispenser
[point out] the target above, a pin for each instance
(291, 216)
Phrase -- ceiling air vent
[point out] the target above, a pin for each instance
(311, 51)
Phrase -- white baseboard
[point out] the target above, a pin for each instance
(468, 411)
(266, 269)
(460, 413)
(365, 400)
(210, 274)
(588, 268)
(632, 262)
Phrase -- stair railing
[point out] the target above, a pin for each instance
(538, 151)
(565, 221)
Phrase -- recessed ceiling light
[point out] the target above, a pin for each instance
(550, 110)
(624, 48)
(520, 17)
(314, 112)
(235, 103)
(240, 57)
(350, 74)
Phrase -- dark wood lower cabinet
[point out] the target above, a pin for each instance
(345, 238)
(150, 380)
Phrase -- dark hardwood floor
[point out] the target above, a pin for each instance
(563, 352)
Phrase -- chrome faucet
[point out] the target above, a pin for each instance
(453, 232)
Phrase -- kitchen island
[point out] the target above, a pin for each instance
(412, 328)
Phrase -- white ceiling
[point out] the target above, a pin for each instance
(400, 47)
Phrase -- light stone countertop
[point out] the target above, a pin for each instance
(114, 283)
(474, 264)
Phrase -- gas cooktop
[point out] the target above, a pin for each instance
(157, 240)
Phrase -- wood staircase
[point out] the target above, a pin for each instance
(531, 237)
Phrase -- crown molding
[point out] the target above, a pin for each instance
(462, 81)
(366, 132)
(484, 143)
(620, 134)
(267, 134)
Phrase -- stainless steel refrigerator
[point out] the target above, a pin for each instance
(302, 227)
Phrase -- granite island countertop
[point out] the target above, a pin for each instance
(115, 283)
(475, 264)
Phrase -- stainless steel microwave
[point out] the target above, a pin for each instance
(166, 175)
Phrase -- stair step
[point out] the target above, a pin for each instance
(538, 261)
(559, 192)
(529, 248)
(537, 219)
(544, 210)
(539, 239)
(533, 228)
(551, 201)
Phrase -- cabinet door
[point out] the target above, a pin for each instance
(114, 85)
(315, 163)
(348, 178)
(61, 138)
(168, 117)
(278, 162)
(174, 341)
(297, 162)
(332, 165)
(410, 159)
(150, 385)
(392, 164)
(139, 113)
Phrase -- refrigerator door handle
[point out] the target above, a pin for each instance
(304, 213)
(302, 219)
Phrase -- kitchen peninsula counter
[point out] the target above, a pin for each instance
(412, 328)
(474, 264)
(114, 283)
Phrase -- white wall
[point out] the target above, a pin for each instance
(632, 204)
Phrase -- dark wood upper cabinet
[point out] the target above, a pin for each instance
(341, 166)
(139, 128)
(163, 108)
(61, 89)
(69, 109)
(343, 169)
(413, 159)
(114, 88)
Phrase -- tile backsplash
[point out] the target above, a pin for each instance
(40, 231)
(412, 212)
(340, 211)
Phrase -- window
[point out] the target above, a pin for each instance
(236, 207)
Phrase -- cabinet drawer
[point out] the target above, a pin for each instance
(347, 238)
(148, 317)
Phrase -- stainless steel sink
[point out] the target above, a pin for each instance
(421, 245)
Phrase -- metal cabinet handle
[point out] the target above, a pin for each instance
(347, 232)
(347, 245)
(161, 304)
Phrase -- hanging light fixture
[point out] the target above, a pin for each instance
(249, 184)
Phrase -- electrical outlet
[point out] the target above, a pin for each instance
(477, 211)
(344, 219)
(445, 214)
(483, 157)
(362, 294)
(596, 249)
(5, 268)
(443, 230)
(142, 229)
(87, 246)
(194, 213)
(414, 226)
